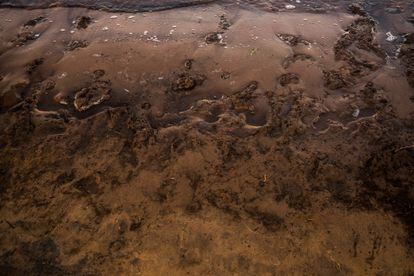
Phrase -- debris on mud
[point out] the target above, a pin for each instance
(225, 75)
(34, 22)
(188, 64)
(242, 100)
(374, 96)
(357, 9)
(75, 44)
(82, 22)
(333, 80)
(32, 66)
(387, 179)
(360, 34)
(289, 78)
(214, 38)
(24, 36)
(292, 40)
(296, 57)
(186, 81)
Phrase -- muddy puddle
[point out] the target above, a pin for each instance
(206, 137)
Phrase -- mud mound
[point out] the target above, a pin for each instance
(359, 36)
(96, 93)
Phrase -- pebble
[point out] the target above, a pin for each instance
(63, 75)
(390, 37)
(290, 7)
(105, 28)
(113, 17)
(356, 112)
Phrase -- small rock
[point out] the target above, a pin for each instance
(214, 38)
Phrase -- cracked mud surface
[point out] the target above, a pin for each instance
(206, 140)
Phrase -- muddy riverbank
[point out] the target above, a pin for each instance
(211, 139)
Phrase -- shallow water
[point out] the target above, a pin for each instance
(148, 5)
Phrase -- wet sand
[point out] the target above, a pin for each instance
(205, 140)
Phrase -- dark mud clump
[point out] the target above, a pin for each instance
(82, 22)
(387, 176)
(24, 36)
(32, 66)
(359, 34)
(75, 44)
(296, 57)
(357, 9)
(242, 100)
(186, 81)
(224, 23)
(188, 64)
(34, 22)
(407, 57)
(96, 93)
(334, 80)
(289, 78)
(292, 40)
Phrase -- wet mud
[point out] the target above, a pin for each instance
(207, 140)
